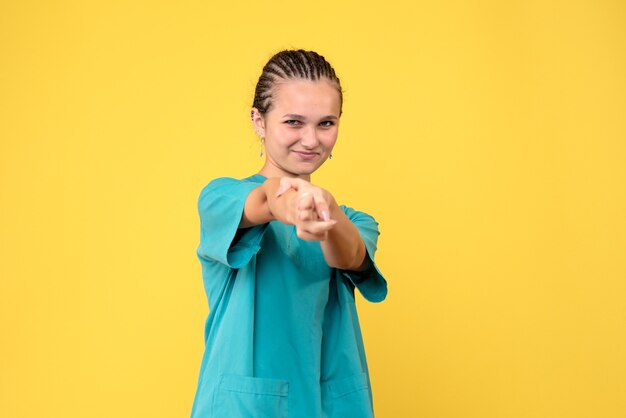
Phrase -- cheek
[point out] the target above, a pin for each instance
(329, 138)
(285, 135)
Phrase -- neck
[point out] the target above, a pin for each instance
(269, 170)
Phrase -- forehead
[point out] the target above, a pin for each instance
(306, 97)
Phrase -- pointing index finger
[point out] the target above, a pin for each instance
(321, 207)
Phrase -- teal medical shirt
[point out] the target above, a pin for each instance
(282, 338)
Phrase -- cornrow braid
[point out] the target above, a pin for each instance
(288, 65)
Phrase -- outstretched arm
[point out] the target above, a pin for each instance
(315, 214)
(343, 248)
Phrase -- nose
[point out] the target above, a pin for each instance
(309, 138)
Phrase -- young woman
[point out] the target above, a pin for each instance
(280, 262)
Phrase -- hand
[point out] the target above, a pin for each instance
(309, 210)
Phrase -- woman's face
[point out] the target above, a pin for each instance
(301, 127)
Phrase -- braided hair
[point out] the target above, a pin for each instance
(292, 64)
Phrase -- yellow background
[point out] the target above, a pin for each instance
(488, 138)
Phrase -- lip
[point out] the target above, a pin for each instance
(306, 155)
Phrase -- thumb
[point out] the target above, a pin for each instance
(286, 183)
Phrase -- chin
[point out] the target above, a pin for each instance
(307, 171)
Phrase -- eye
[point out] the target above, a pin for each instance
(292, 122)
(327, 123)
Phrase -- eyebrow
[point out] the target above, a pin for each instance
(296, 116)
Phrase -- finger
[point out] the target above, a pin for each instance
(285, 184)
(305, 201)
(321, 207)
(317, 227)
(306, 215)
(306, 236)
(306, 208)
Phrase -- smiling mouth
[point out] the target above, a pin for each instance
(307, 155)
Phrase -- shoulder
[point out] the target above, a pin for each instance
(225, 184)
(219, 182)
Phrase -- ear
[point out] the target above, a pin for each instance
(258, 122)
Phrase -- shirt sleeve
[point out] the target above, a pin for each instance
(220, 207)
(370, 281)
